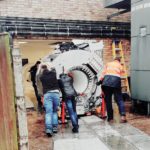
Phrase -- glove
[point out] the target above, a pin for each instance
(99, 82)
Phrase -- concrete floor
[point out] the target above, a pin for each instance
(96, 134)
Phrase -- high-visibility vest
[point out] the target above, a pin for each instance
(113, 68)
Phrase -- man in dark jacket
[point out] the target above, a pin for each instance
(111, 84)
(33, 71)
(51, 99)
(68, 95)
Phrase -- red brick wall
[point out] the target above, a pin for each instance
(92, 10)
(59, 9)
(107, 52)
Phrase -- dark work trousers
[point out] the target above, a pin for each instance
(108, 92)
(37, 95)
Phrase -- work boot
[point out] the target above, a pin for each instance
(49, 132)
(55, 129)
(75, 129)
(123, 119)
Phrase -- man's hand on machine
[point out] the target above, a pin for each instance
(99, 82)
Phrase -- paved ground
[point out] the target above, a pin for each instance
(96, 133)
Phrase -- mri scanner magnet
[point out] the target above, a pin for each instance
(83, 58)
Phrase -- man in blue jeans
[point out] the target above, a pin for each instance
(68, 95)
(51, 99)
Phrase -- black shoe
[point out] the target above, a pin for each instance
(75, 130)
(123, 119)
(49, 133)
(55, 129)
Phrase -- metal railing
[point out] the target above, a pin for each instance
(67, 28)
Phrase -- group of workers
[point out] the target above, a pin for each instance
(50, 88)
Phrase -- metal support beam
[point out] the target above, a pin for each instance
(117, 14)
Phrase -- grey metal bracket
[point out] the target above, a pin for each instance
(117, 14)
